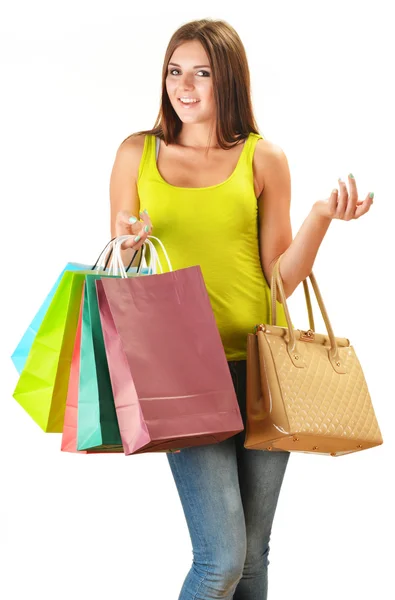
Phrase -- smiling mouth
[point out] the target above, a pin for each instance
(187, 104)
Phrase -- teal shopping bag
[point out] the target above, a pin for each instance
(97, 426)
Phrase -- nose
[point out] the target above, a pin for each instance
(186, 82)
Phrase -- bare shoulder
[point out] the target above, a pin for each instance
(130, 151)
(133, 142)
(267, 156)
(266, 149)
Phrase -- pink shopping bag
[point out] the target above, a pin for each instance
(171, 381)
(70, 425)
(69, 434)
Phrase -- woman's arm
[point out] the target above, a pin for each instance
(124, 197)
(275, 224)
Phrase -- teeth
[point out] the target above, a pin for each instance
(188, 101)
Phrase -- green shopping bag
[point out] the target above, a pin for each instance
(43, 383)
(97, 419)
(42, 386)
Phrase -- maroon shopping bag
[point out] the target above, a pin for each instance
(171, 381)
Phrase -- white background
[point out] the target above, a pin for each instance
(76, 79)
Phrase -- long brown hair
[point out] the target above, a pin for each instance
(231, 84)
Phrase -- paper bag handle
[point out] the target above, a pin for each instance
(108, 250)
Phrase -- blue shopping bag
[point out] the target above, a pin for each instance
(22, 350)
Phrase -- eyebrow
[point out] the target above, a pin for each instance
(195, 67)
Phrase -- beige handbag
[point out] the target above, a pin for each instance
(306, 391)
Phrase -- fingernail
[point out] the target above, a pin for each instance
(351, 175)
(340, 180)
(132, 220)
(137, 238)
(146, 229)
(145, 210)
(371, 195)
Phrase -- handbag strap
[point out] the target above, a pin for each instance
(273, 290)
(277, 282)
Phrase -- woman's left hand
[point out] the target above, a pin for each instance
(344, 205)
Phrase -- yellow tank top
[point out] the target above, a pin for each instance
(215, 227)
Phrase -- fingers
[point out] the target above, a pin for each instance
(348, 206)
(132, 223)
(347, 202)
(123, 218)
(342, 199)
(352, 199)
(146, 219)
(137, 239)
(332, 202)
(145, 230)
(363, 207)
(141, 229)
(137, 225)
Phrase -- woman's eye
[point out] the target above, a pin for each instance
(171, 71)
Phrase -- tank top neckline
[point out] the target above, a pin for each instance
(207, 187)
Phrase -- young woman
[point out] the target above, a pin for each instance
(218, 195)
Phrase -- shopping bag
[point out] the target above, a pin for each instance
(20, 354)
(97, 420)
(171, 381)
(98, 429)
(90, 409)
(22, 350)
(42, 386)
(69, 434)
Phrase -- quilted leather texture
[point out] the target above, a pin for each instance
(312, 409)
(318, 400)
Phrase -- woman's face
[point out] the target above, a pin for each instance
(191, 79)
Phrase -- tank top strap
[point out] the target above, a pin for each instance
(251, 142)
(157, 140)
(148, 156)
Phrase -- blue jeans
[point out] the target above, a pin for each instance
(229, 496)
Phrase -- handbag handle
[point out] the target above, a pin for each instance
(333, 352)
(273, 291)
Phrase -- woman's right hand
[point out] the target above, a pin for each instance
(126, 224)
